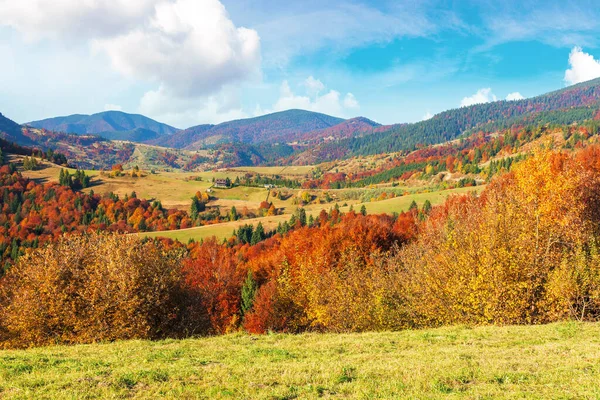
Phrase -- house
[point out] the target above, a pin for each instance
(221, 183)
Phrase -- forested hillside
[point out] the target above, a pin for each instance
(450, 124)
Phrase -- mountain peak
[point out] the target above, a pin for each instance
(109, 124)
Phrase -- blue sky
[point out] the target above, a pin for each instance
(187, 62)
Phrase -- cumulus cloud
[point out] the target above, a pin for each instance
(112, 107)
(188, 47)
(313, 86)
(483, 95)
(74, 19)
(185, 112)
(191, 47)
(514, 96)
(329, 103)
(583, 67)
(350, 101)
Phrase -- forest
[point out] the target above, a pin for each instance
(523, 252)
(576, 103)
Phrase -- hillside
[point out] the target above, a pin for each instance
(346, 129)
(287, 126)
(183, 138)
(452, 123)
(549, 361)
(284, 126)
(11, 131)
(109, 124)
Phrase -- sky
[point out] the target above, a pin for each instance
(190, 62)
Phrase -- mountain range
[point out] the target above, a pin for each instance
(300, 137)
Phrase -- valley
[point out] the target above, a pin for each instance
(175, 189)
(225, 199)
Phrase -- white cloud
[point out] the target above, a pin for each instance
(428, 115)
(313, 86)
(514, 96)
(583, 67)
(350, 101)
(73, 19)
(188, 47)
(483, 95)
(328, 103)
(553, 24)
(112, 107)
(298, 27)
(191, 47)
(186, 112)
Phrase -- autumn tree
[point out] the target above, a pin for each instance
(94, 288)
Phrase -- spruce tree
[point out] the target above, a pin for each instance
(363, 210)
(258, 235)
(248, 293)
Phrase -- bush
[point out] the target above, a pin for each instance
(92, 288)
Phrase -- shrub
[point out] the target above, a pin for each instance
(91, 288)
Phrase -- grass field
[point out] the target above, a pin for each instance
(399, 204)
(224, 230)
(560, 361)
(173, 189)
(290, 171)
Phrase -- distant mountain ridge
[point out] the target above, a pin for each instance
(449, 125)
(280, 127)
(114, 125)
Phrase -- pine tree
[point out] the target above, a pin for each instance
(302, 216)
(258, 235)
(14, 253)
(233, 215)
(426, 207)
(363, 210)
(413, 206)
(248, 293)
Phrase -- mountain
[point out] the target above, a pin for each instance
(450, 124)
(278, 127)
(183, 138)
(345, 129)
(12, 132)
(114, 125)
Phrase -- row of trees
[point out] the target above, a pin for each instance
(76, 181)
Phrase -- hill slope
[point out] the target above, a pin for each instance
(452, 123)
(550, 361)
(109, 124)
(11, 131)
(345, 129)
(183, 138)
(282, 126)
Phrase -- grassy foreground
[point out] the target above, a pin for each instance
(552, 361)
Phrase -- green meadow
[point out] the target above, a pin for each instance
(514, 362)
